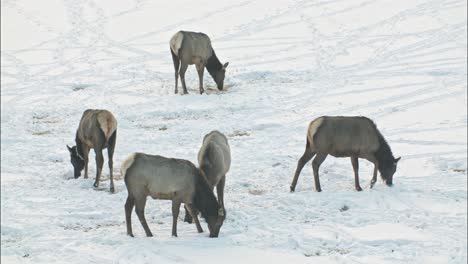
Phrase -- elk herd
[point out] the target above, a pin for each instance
(183, 182)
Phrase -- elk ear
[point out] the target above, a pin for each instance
(225, 65)
(396, 160)
(69, 149)
(220, 212)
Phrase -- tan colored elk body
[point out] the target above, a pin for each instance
(189, 48)
(97, 130)
(214, 160)
(169, 179)
(354, 137)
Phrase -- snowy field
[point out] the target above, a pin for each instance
(401, 63)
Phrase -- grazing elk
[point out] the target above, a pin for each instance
(97, 130)
(214, 160)
(169, 179)
(355, 137)
(189, 48)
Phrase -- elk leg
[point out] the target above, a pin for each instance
(200, 69)
(99, 163)
(195, 216)
(176, 62)
(182, 71)
(308, 155)
(176, 82)
(110, 154)
(315, 167)
(355, 162)
(140, 211)
(188, 217)
(175, 215)
(128, 214)
(220, 192)
(374, 177)
(86, 159)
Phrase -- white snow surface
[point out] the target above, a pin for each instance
(401, 63)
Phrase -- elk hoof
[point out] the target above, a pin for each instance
(112, 190)
(96, 184)
(292, 188)
(358, 188)
(319, 189)
(130, 235)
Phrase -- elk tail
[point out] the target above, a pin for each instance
(176, 42)
(126, 164)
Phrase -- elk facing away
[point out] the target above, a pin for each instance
(189, 48)
(97, 130)
(355, 137)
(214, 159)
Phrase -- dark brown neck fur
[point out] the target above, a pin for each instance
(204, 199)
(213, 65)
(79, 147)
(384, 154)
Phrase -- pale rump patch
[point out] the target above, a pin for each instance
(126, 164)
(176, 42)
(107, 123)
(313, 128)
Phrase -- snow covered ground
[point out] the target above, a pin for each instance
(401, 63)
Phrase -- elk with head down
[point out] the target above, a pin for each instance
(97, 130)
(214, 160)
(355, 137)
(189, 48)
(169, 179)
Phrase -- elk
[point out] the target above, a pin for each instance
(214, 160)
(354, 137)
(97, 130)
(189, 48)
(169, 179)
